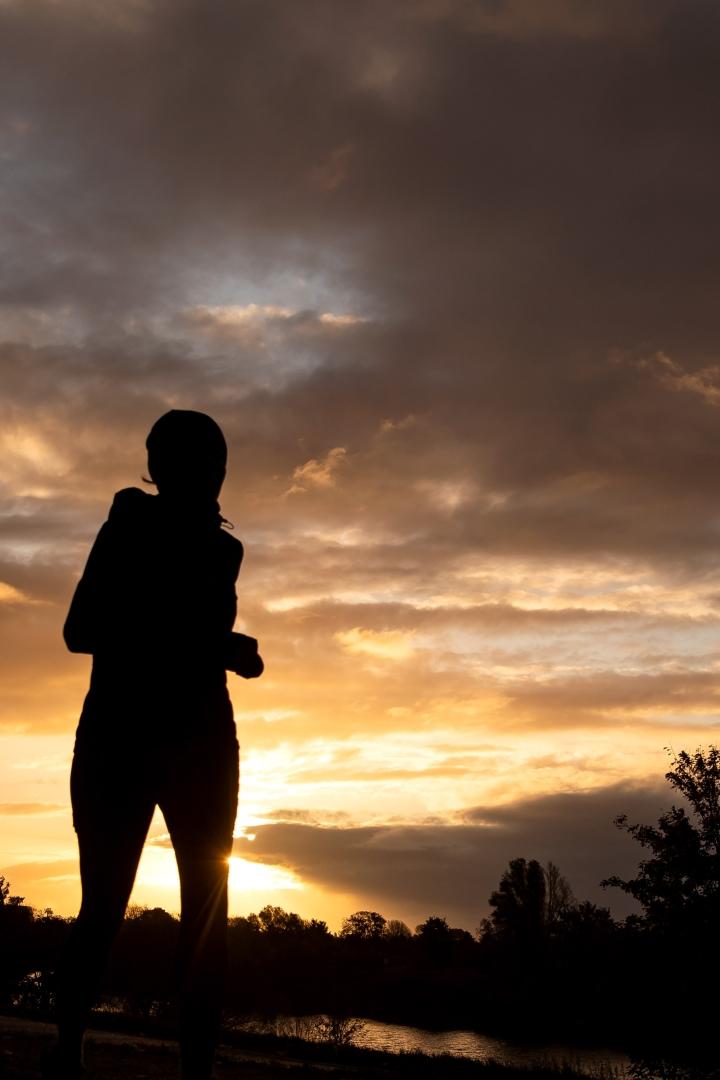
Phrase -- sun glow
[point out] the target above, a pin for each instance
(246, 876)
(157, 880)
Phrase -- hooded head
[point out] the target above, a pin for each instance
(187, 456)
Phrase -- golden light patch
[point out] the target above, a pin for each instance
(317, 473)
(246, 876)
(25, 452)
(240, 314)
(540, 585)
(10, 595)
(328, 318)
(244, 316)
(289, 603)
(381, 644)
(158, 870)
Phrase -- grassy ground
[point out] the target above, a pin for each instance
(119, 1056)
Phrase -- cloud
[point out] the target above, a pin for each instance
(704, 382)
(10, 595)
(31, 873)
(19, 809)
(452, 868)
(525, 19)
(308, 817)
(318, 474)
(382, 644)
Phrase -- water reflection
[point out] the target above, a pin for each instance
(376, 1035)
(471, 1044)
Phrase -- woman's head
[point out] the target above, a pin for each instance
(187, 454)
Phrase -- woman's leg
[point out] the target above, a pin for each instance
(199, 801)
(112, 810)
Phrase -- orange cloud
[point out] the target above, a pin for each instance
(318, 473)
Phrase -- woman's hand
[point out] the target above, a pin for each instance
(243, 657)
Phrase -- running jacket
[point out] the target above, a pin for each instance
(155, 607)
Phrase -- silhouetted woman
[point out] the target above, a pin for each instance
(156, 607)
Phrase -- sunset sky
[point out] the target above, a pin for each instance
(447, 273)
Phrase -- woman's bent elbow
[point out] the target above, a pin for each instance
(76, 643)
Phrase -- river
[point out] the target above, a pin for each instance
(376, 1035)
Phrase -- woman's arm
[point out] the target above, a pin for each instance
(81, 625)
(242, 656)
(241, 651)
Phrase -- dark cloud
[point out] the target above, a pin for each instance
(451, 869)
(540, 185)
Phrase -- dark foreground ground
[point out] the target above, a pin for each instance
(118, 1056)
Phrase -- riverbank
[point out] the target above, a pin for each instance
(115, 1055)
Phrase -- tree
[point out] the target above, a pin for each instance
(275, 920)
(363, 926)
(559, 897)
(317, 927)
(519, 902)
(588, 922)
(435, 928)
(396, 928)
(436, 939)
(678, 885)
(6, 900)
(675, 941)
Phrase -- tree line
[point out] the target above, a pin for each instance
(542, 963)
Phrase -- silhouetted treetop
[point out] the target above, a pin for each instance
(6, 899)
(559, 899)
(678, 885)
(396, 928)
(519, 902)
(275, 920)
(434, 928)
(363, 926)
